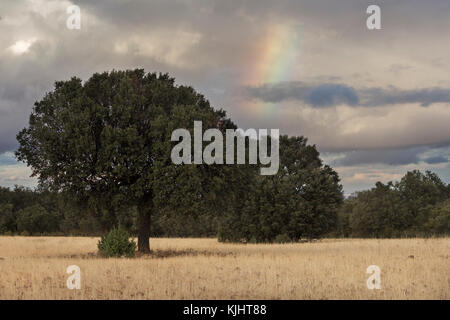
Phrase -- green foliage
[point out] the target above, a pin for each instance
(117, 243)
(8, 219)
(252, 240)
(300, 201)
(439, 218)
(384, 211)
(282, 238)
(36, 219)
(417, 205)
(170, 223)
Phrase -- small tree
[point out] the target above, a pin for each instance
(117, 243)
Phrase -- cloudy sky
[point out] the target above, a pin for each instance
(375, 102)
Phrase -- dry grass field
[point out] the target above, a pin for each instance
(35, 268)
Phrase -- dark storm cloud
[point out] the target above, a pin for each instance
(324, 95)
(330, 94)
(437, 159)
(22, 82)
(395, 157)
(426, 96)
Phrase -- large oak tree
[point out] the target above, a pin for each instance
(108, 139)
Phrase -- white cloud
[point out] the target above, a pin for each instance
(21, 46)
(17, 174)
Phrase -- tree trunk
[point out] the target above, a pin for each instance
(144, 228)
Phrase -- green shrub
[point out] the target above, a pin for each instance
(253, 240)
(282, 238)
(117, 243)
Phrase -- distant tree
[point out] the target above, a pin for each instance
(36, 219)
(300, 201)
(416, 205)
(439, 219)
(379, 212)
(11, 202)
(108, 141)
(420, 190)
(8, 219)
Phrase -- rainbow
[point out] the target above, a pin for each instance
(277, 54)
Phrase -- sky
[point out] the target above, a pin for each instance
(376, 103)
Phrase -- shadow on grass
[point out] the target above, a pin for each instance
(154, 254)
(170, 253)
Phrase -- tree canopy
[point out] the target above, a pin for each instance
(300, 201)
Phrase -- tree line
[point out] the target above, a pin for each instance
(417, 205)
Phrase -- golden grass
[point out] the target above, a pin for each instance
(35, 268)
